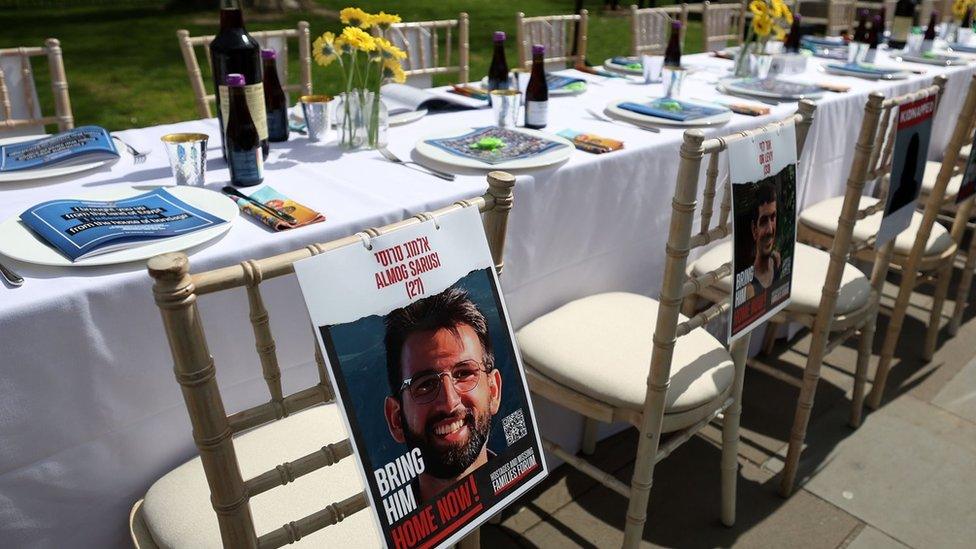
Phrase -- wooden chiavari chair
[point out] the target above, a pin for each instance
(836, 16)
(874, 8)
(721, 23)
(275, 39)
(651, 27)
(556, 33)
(207, 501)
(22, 111)
(421, 41)
(594, 357)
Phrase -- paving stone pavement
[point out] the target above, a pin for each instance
(905, 478)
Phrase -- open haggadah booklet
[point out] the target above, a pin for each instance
(400, 98)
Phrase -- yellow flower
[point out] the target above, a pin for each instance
(358, 39)
(787, 15)
(342, 46)
(324, 49)
(355, 17)
(762, 25)
(388, 50)
(959, 8)
(758, 7)
(779, 33)
(778, 8)
(393, 70)
(383, 20)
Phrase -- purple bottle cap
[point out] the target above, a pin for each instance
(269, 54)
(538, 49)
(676, 25)
(235, 79)
(499, 36)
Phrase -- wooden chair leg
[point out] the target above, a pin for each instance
(769, 338)
(891, 337)
(962, 292)
(590, 427)
(935, 320)
(472, 541)
(730, 434)
(861, 373)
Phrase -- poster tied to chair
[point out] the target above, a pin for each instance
(421, 353)
(914, 126)
(968, 186)
(763, 176)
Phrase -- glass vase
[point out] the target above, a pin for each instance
(743, 61)
(761, 63)
(362, 120)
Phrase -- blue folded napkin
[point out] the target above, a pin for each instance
(825, 42)
(961, 47)
(556, 81)
(672, 109)
(625, 61)
(861, 68)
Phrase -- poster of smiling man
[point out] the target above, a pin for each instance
(421, 354)
(763, 177)
(914, 126)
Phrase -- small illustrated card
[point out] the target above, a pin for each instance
(914, 127)
(493, 145)
(591, 143)
(763, 175)
(420, 350)
(302, 214)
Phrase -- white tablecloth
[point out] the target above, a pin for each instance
(90, 414)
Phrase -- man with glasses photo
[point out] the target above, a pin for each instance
(444, 388)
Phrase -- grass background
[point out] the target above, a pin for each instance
(125, 69)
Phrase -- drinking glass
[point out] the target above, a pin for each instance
(505, 107)
(317, 116)
(673, 78)
(187, 154)
(651, 66)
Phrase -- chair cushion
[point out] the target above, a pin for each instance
(601, 346)
(823, 217)
(932, 173)
(177, 507)
(809, 273)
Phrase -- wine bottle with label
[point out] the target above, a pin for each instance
(861, 32)
(537, 92)
(275, 101)
(498, 78)
(874, 38)
(234, 51)
(929, 39)
(241, 138)
(901, 26)
(672, 54)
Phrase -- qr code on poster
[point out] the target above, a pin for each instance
(514, 426)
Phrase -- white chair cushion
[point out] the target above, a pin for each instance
(601, 347)
(823, 217)
(932, 173)
(809, 273)
(177, 507)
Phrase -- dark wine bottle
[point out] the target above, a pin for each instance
(882, 25)
(672, 54)
(241, 137)
(793, 40)
(498, 78)
(861, 32)
(929, 39)
(234, 51)
(874, 38)
(275, 101)
(901, 26)
(967, 19)
(537, 92)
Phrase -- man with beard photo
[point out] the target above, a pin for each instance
(767, 260)
(444, 388)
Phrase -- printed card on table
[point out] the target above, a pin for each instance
(907, 166)
(968, 186)
(763, 175)
(421, 353)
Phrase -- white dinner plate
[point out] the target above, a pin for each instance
(940, 59)
(406, 117)
(548, 158)
(557, 91)
(610, 65)
(729, 86)
(840, 71)
(20, 243)
(615, 111)
(47, 173)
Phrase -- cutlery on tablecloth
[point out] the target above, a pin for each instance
(771, 102)
(11, 277)
(605, 118)
(388, 154)
(738, 107)
(273, 211)
(138, 157)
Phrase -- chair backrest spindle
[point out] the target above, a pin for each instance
(29, 118)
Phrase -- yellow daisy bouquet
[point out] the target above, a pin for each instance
(365, 62)
(959, 8)
(770, 20)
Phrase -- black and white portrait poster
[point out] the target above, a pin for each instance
(763, 176)
(968, 186)
(421, 354)
(914, 126)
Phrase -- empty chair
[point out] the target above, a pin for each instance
(837, 16)
(21, 114)
(651, 27)
(564, 37)
(271, 39)
(425, 55)
(721, 23)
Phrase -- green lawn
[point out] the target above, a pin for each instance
(125, 69)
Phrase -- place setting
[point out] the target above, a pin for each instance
(75, 151)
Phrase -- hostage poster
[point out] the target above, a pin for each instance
(968, 186)
(914, 126)
(763, 176)
(421, 354)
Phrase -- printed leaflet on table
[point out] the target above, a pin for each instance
(420, 351)
(84, 144)
(493, 145)
(763, 175)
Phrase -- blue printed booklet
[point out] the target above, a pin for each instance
(673, 109)
(83, 228)
(77, 146)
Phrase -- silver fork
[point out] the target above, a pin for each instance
(605, 118)
(10, 276)
(388, 154)
(138, 157)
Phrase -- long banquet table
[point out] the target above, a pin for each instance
(90, 414)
